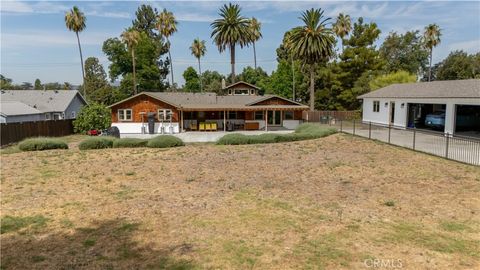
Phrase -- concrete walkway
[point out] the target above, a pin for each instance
(201, 136)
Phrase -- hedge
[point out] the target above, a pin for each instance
(129, 143)
(164, 141)
(96, 143)
(39, 144)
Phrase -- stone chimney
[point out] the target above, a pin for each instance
(223, 84)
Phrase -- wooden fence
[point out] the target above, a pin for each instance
(15, 132)
(325, 116)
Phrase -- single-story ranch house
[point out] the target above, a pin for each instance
(39, 105)
(172, 112)
(450, 106)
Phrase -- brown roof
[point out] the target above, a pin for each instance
(436, 89)
(242, 82)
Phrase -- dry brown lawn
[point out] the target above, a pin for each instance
(333, 203)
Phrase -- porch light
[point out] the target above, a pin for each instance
(386, 104)
(403, 105)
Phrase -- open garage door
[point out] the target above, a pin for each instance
(426, 116)
(467, 120)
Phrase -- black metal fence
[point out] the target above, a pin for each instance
(459, 148)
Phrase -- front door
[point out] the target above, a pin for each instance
(274, 118)
(392, 113)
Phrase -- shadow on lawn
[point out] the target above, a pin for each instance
(105, 245)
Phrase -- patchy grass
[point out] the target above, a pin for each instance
(14, 224)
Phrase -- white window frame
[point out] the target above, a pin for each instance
(376, 106)
(47, 116)
(166, 115)
(73, 114)
(122, 115)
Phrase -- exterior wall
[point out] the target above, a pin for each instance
(74, 107)
(136, 128)
(24, 118)
(291, 124)
(145, 104)
(274, 101)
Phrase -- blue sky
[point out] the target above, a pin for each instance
(36, 44)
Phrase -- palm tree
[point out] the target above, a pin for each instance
(167, 25)
(312, 43)
(431, 38)
(131, 38)
(75, 21)
(342, 26)
(198, 49)
(255, 35)
(231, 29)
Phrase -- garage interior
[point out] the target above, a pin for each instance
(467, 120)
(417, 112)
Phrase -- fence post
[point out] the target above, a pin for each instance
(369, 129)
(414, 135)
(353, 126)
(341, 125)
(389, 132)
(446, 146)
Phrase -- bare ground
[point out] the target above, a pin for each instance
(334, 203)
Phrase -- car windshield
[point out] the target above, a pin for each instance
(438, 113)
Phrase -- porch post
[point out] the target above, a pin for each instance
(266, 120)
(180, 130)
(224, 120)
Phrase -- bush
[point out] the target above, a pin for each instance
(303, 132)
(164, 141)
(39, 144)
(129, 142)
(92, 116)
(96, 143)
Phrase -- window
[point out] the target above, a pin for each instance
(241, 92)
(72, 115)
(252, 92)
(288, 115)
(232, 115)
(47, 116)
(376, 106)
(125, 115)
(165, 114)
(259, 115)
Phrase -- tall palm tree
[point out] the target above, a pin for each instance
(75, 21)
(342, 26)
(199, 49)
(312, 43)
(230, 30)
(131, 38)
(431, 38)
(255, 35)
(167, 25)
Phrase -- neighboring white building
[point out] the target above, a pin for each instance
(39, 105)
(407, 105)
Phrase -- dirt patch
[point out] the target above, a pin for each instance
(339, 202)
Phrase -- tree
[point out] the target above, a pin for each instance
(253, 76)
(26, 86)
(198, 49)
(312, 43)
(5, 83)
(404, 52)
(146, 21)
(96, 80)
(391, 78)
(254, 35)
(212, 81)
(75, 21)
(192, 81)
(38, 85)
(432, 39)
(131, 38)
(167, 25)
(230, 30)
(280, 82)
(342, 26)
(458, 66)
(67, 86)
(92, 116)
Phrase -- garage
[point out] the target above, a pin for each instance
(426, 116)
(467, 120)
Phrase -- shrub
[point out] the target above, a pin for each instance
(129, 143)
(39, 144)
(92, 116)
(96, 143)
(164, 141)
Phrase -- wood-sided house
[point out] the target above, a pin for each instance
(242, 108)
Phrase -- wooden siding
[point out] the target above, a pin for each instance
(274, 101)
(145, 104)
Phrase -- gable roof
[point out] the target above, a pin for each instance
(11, 108)
(436, 89)
(242, 82)
(42, 100)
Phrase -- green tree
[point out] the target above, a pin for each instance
(431, 38)
(212, 81)
(38, 85)
(53, 86)
(253, 76)
(146, 21)
(404, 52)
(131, 38)
(280, 82)
(458, 66)
(198, 49)
(192, 80)
(75, 21)
(312, 43)
(92, 116)
(96, 80)
(230, 30)
(342, 26)
(391, 78)
(5, 83)
(67, 86)
(254, 35)
(167, 25)
(329, 87)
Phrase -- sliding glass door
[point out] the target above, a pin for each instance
(274, 118)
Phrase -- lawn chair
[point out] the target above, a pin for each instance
(214, 126)
(201, 126)
(208, 126)
(193, 126)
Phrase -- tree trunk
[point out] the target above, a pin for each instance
(254, 56)
(171, 62)
(312, 88)
(200, 71)
(134, 79)
(293, 79)
(83, 70)
(430, 67)
(232, 61)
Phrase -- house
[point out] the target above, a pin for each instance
(39, 105)
(173, 112)
(451, 106)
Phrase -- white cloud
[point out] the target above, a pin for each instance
(49, 39)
